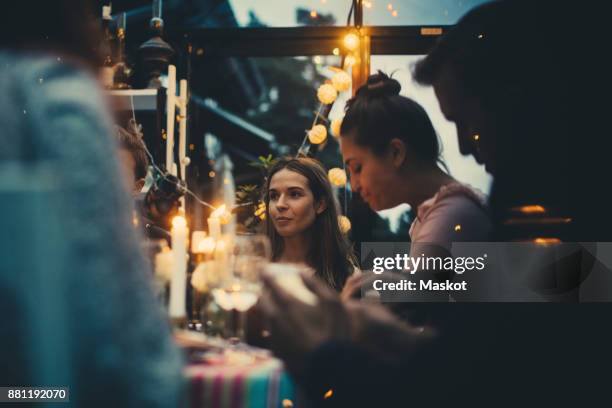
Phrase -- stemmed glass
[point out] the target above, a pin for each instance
(241, 287)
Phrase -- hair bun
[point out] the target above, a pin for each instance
(380, 84)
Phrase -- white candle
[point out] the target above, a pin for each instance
(214, 222)
(196, 239)
(222, 257)
(178, 284)
(214, 227)
(206, 246)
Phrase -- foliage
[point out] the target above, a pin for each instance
(250, 210)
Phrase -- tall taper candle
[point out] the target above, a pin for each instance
(178, 284)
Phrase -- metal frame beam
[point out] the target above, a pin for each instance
(306, 41)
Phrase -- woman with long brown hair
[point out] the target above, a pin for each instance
(302, 220)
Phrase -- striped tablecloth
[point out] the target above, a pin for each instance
(260, 384)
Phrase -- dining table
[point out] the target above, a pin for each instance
(224, 375)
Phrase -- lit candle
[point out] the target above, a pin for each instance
(214, 222)
(178, 284)
(196, 239)
(207, 247)
(222, 256)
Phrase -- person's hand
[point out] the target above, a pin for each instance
(352, 286)
(356, 283)
(298, 328)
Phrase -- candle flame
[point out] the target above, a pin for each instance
(218, 212)
(207, 245)
(179, 222)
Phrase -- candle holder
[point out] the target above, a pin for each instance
(197, 301)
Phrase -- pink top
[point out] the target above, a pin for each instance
(456, 212)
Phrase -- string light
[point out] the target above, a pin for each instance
(327, 94)
(162, 174)
(457, 227)
(390, 7)
(344, 224)
(337, 176)
(394, 13)
(335, 127)
(313, 14)
(317, 59)
(336, 51)
(328, 394)
(211, 174)
(341, 81)
(351, 41)
(317, 134)
(476, 137)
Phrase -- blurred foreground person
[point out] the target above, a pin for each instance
(74, 287)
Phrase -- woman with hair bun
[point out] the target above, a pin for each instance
(392, 155)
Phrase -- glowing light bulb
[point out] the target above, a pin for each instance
(351, 41)
(317, 134)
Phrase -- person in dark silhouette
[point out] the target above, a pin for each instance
(500, 76)
(512, 93)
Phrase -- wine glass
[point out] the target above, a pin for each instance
(240, 288)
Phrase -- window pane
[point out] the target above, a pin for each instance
(290, 13)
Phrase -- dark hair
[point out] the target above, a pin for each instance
(496, 62)
(378, 113)
(65, 27)
(131, 140)
(330, 255)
